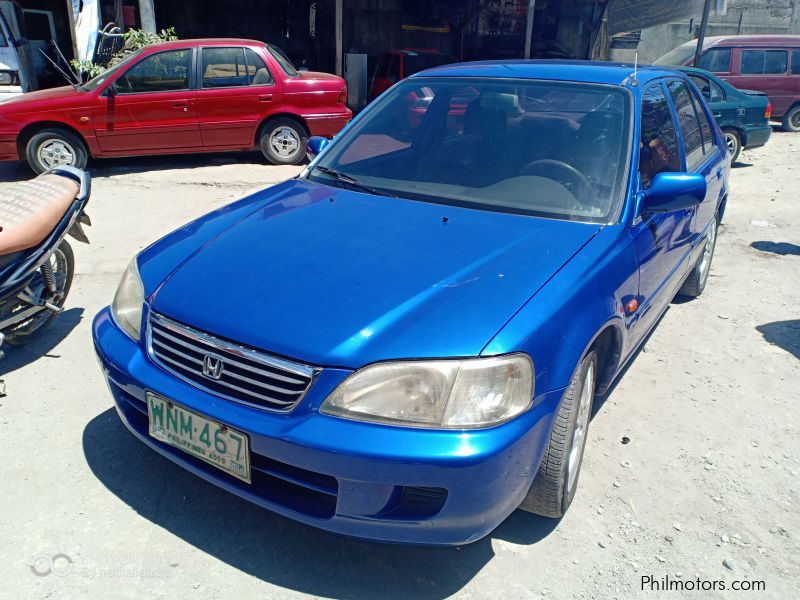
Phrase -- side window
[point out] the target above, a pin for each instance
(717, 95)
(795, 62)
(764, 62)
(224, 67)
(257, 71)
(658, 146)
(705, 126)
(694, 125)
(162, 72)
(716, 60)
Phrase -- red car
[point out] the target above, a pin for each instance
(176, 97)
(395, 65)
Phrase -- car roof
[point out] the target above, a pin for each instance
(747, 40)
(582, 71)
(206, 42)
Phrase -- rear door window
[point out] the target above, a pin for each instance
(795, 62)
(764, 62)
(694, 126)
(716, 60)
(709, 89)
(224, 67)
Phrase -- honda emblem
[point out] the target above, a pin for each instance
(213, 366)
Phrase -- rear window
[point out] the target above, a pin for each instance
(796, 62)
(283, 60)
(716, 60)
(764, 62)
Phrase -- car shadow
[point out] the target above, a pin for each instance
(741, 165)
(785, 334)
(17, 357)
(276, 549)
(107, 167)
(781, 248)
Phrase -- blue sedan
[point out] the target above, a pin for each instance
(404, 342)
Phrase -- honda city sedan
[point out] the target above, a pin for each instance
(207, 95)
(404, 342)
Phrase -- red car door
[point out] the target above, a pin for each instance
(236, 89)
(150, 108)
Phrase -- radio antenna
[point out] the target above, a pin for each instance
(635, 63)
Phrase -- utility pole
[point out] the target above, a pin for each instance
(702, 37)
(147, 16)
(529, 28)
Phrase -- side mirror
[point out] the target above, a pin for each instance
(111, 90)
(315, 145)
(674, 191)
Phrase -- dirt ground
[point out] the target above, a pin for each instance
(692, 468)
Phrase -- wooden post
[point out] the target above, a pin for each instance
(147, 16)
(339, 43)
(529, 28)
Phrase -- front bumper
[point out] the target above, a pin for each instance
(384, 483)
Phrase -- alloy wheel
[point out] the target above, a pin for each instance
(708, 250)
(284, 142)
(581, 427)
(56, 152)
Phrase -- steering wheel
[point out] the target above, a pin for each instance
(575, 181)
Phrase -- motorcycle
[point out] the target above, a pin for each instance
(36, 261)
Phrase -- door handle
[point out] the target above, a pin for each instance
(717, 115)
(265, 98)
(181, 104)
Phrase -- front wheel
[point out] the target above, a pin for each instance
(696, 281)
(557, 479)
(283, 142)
(55, 148)
(734, 143)
(791, 120)
(62, 265)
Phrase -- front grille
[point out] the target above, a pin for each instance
(246, 375)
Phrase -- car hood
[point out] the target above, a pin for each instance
(32, 101)
(338, 278)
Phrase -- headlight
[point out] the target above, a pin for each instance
(128, 301)
(449, 394)
(8, 78)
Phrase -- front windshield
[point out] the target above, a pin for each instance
(547, 148)
(96, 82)
(677, 56)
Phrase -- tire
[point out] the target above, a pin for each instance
(791, 120)
(283, 142)
(54, 147)
(734, 142)
(557, 479)
(25, 332)
(696, 281)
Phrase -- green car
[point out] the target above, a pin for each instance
(743, 115)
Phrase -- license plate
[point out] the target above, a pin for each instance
(213, 442)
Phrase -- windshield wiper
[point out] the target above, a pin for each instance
(350, 180)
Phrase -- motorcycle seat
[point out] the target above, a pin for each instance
(30, 210)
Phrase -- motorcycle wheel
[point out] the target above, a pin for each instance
(63, 263)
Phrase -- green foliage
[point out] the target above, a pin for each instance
(134, 39)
